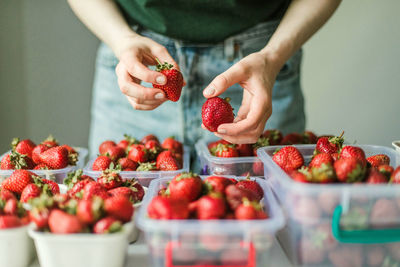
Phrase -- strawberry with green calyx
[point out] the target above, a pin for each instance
(41, 166)
(9, 221)
(274, 136)
(329, 145)
(387, 170)
(127, 141)
(245, 150)
(15, 160)
(138, 153)
(37, 151)
(136, 187)
(252, 186)
(216, 111)
(353, 152)
(217, 183)
(40, 212)
(125, 163)
(324, 173)
(114, 153)
(6, 194)
(302, 175)
(250, 210)
(349, 170)
(261, 142)
(105, 145)
(77, 188)
(292, 139)
(123, 191)
(226, 151)
(73, 155)
(107, 225)
(309, 138)
(30, 191)
(61, 222)
(321, 158)
(395, 177)
(170, 143)
(90, 211)
(110, 179)
(149, 137)
(23, 147)
(18, 180)
(101, 163)
(55, 157)
(153, 149)
(92, 189)
(288, 158)
(213, 145)
(119, 207)
(235, 196)
(173, 87)
(211, 206)
(75, 177)
(147, 166)
(50, 142)
(378, 160)
(166, 208)
(168, 164)
(376, 177)
(186, 185)
(53, 186)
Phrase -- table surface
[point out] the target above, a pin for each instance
(138, 255)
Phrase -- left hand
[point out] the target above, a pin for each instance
(256, 73)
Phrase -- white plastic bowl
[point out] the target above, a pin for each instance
(16, 248)
(82, 250)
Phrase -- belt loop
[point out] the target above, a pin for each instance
(229, 49)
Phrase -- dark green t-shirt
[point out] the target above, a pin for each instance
(201, 20)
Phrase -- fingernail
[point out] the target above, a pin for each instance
(159, 96)
(222, 131)
(160, 79)
(209, 91)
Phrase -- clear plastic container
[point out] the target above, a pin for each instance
(143, 177)
(237, 166)
(56, 175)
(337, 224)
(174, 243)
(16, 248)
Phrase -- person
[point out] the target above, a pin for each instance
(247, 50)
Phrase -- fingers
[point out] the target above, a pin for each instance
(234, 74)
(137, 106)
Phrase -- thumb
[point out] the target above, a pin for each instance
(223, 81)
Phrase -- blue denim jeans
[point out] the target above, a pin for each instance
(112, 115)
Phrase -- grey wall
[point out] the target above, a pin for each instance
(350, 72)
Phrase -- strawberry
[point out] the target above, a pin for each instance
(55, 157)
(78, 187)
(114, 152)
(40, 217)
(149, 137)
(353, 152)
(217, 183)
(185, 185)
(136, 187)
(213, 145)
(89, 211)
(105, 145)
(110, 179)
(211, 206)
(322, 158)
(289, 158)
(349, 170)
(54, 188)
(300, 176)
(101, 163)
(249, 211)
(376, 177)
(274, 136)
(92, 189)
(235, 196)
(72, 155)
(11, 207)
(335, 156)
(107, 225)
(9, 221)
(261, 142)
(173, 87)
(138, 153)
(167, 163)
(127, 141)
(292, 139)
(216, 111)
(74, 177)
(386, 170)
(258, 169)
(395, 177)
(6, 163)
(173, 145)
(323, 174)
(61, 222)
(126, 163)
(329, 145)
(119, 207)
(123, 191)
(153, 147)
(14, 160)
(163, 155)
(50, 142)
(309, 138)
(252, 186)
(18, 180)
(226, 151)
(30, 191)
(166, 208)
(37, 151)
(377, 160)
(147, 166)
(6, 194)
(42, 166)
(245, 150)
(23, 147)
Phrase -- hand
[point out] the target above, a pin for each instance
(256, 73)
(135, 54)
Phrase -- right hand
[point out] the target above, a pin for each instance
(135, 54)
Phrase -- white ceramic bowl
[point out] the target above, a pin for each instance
(16, 248)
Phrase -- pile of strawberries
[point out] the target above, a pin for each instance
(12, 214)
(332, 162)
(189, 197)
(48, 155)
(147, 155)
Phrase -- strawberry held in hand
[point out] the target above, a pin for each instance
(216, 111)
(173, 87)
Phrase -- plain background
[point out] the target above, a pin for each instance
(350, 74)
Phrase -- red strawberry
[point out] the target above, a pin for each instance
(110, 179)
(114, 152)
(72, 155)
(322, 158)
(138, 153)
(235, 196)
(42, 166)
(89, 211)
(173, 145)
(226, 151)
(105, 145)
(213, 145)
(300, 176)
(119, 207)
(377, 160)
(18, 180)
(288, 158)
(40, 217)
(216, 111)
(55, 157)
(11, 207)
(78, 187)
(249, 211)
(166, 208)
(386, 170)
(245, 150)
(274, 136)
(261, 142)
(23, 147)
(323, 174)
(153, 147)
(309, 138)
(149, 137)
(211, 206)
(50, 142)
(30, 191)
(173, 87)
(292, 139)
(61, 222)
(6, 194)
(376, 177)
(329, 145)
(217, 183)
(253, 186)
(122, 191)
(107, 225)
(126, 163)
(101, 163)
(9, 221)
(92, 189)
(353, 152)
(395, 177)
(258, 169)
(127, 141)
(137, 188)
(6, 163)
(185, 186)
(167, 164)
(349, 170)
(14, 160)
(54, 188)
(75, 177)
